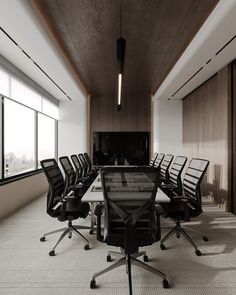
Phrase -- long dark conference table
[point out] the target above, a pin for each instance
(94, 194)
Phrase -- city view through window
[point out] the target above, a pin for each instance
(20, 138)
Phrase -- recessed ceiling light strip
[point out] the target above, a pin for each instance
(223, 47)
(187, 81)
(35, 63)
(226, 44)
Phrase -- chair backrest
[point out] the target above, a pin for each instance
(165, 165)
(55, 181)
(70, 175)
(159, 160)
(129, 195)
(152, 161)
(78, 167)
(86, 156)
(192, 180)
(175, 172)
(83, 163)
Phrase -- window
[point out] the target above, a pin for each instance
(46, 138)
(19, 138)
(28, 132)
(25, 95)
(4, 83)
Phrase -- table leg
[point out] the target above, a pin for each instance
(92, 217)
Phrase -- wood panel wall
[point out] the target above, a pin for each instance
(206, 116)
(135, 114)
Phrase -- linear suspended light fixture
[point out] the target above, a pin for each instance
(120, 47)
(119, 92)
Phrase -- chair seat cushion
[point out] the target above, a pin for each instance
(77, 209)
(176, 210)
(145, 239)
(74, 209)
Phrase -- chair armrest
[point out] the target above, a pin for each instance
(75, 187)
(99, 209)
(184, 199)
(63, 201)
(185, 202)
(62, 216)
(168, 186)
(180, 198)
(69, 197)
(187, 205)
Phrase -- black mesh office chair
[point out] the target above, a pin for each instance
(79, 171)
(87, 173)
(182, 208)
(174, 185)
(130, 219)
(165, 165)
(152, 161)
(159, 160)
(91, 168)
(72, 182)
(61, 206)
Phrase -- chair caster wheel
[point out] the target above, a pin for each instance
(42, 239)
(93, 284)
(91, 232)
(165, 284)
(145, 258)
(163, 247)
(52, 253)
(108, 258)
(198, 253)
(205, 239)
(178, 236)
(69, 237)
(86, 247)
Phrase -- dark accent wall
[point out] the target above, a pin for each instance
(206, 133)
(135, 114)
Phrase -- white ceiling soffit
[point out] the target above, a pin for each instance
(19, 20)
(212, 48)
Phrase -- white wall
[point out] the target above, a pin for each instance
(167, 126)
(72, 127)
(16, 194)
(23, 23)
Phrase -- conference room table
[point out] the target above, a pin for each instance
(94, 195)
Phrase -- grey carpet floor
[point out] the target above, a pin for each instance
(26, 268)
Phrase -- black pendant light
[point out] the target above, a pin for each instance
(120, 49)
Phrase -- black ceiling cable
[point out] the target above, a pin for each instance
(35, 63)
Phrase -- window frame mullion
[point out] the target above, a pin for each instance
(2, 138)
(36, 141)
(56, 140)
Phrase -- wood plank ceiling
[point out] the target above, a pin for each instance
(156, 33)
